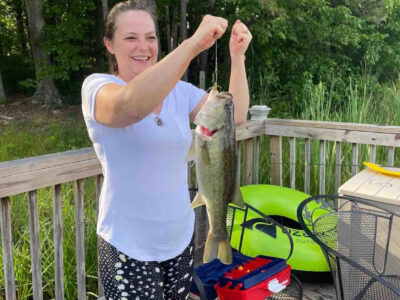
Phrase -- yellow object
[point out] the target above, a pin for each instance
(240, 268)
(380, 169)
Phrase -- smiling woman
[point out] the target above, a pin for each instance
(138, 118)
(131, 36)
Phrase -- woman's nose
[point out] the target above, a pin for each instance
(142, 45)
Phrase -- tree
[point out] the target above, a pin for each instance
(204, 56)
(2, 93)
(101, 14)
(46, 91)
(184, 29)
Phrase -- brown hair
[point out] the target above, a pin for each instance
(111, 19)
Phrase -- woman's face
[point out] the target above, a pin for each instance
(134, 43)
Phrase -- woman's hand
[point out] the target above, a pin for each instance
(210, 29)
(240, 40)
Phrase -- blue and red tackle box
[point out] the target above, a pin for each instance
(256, 279)
(245, 279)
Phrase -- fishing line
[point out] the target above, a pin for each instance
(216, 62)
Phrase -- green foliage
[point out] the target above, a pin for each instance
(294, 41)
(68, 35)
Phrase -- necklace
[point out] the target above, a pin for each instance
(158, 120)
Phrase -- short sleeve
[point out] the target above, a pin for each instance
(90, 87)
(195, 95)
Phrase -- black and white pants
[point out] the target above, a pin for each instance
(125, 278)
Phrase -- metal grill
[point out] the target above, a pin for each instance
(358, 240)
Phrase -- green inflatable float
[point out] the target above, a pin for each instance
(261, 237)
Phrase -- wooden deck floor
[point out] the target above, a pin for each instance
(319, 291)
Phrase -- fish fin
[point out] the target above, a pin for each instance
(198, 200)
(211, 248)
(237, 198)
(217, 249)
(191, 155)
(205, 156)
(225, 251)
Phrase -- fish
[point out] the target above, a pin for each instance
(216, 174)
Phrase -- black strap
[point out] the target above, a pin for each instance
(200, 286)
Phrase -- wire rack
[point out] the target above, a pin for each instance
(361, 241)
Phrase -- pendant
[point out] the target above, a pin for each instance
(158, 121)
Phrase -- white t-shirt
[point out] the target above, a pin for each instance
(144, 206)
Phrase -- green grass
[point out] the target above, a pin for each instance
(364, 100)
(40, 135)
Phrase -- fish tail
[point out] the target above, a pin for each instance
(216, 248)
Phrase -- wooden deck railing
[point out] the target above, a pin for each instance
(53, 170)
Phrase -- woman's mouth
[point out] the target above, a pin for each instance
(141, 58)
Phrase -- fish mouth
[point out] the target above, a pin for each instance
(207, 132)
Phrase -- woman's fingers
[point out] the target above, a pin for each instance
(210, 29)
(240, 39)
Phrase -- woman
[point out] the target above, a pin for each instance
(138, 119)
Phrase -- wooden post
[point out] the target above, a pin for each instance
(322, 166)
(292, 160)
(256, 158)
(99, 184)
(372, 154)
(390, 156)
(238, 163)
(35, 245)
(58, 242)
(257, 112)
(354, 168)
(80, 239)
(276, 159)
(202, 77)
(248, 161)
(6, 243)
(307, 166)
(338, 166)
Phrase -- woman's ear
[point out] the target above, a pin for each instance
(108, 44)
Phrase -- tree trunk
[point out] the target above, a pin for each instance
(204, 56)
(46, 92)
(2, 93)
(168, 29)
(20, 25)
(183, 20)
(104, 6)
(184, 29)
(99, 48)
(174, 31)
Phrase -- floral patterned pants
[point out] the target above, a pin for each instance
(125, 278)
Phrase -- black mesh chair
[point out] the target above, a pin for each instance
(293, 292)
(361, 240)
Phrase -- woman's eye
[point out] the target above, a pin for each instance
(152, 37)
(131, 38)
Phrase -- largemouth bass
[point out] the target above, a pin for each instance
(215, 145)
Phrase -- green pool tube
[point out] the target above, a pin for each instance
(261, 238)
